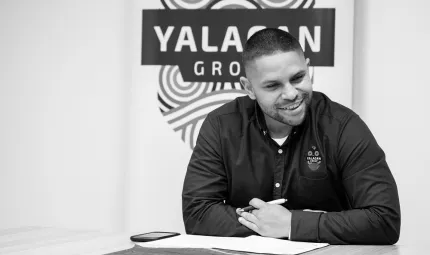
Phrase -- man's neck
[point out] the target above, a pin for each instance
(277, 129)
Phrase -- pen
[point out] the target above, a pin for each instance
(274, 202)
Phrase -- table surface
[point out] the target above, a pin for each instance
(331, 249)
(42, 240)
(47, 240)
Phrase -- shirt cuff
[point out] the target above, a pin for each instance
(304, 226)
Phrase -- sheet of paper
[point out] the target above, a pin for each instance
(259, 244)
(190, 241)
(255, 244)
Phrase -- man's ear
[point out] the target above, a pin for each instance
(248, 87)
(310, 69)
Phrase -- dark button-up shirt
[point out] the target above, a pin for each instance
(331, 162)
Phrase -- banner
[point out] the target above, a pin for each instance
(185, 62)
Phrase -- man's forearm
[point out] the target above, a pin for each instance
(213, 219)
(359, 226)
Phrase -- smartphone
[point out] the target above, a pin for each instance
(152, 236)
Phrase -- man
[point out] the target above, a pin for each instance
(285, 141)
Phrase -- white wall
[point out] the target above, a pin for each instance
(64, 110)
(391, 93)
(63, 113)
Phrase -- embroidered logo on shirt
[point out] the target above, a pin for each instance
(313, 158)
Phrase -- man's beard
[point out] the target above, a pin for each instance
(273, 112)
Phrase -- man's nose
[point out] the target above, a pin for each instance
(289, 92)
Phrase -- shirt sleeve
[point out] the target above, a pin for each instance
(374, 217)
(206, 187)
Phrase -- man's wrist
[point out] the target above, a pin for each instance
(288, 225)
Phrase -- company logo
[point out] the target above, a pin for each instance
(198, 44)
(313, 159)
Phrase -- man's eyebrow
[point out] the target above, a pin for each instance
(295, 76)
(269, 82)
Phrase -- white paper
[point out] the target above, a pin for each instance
(259, 244)
(255, 244)
(191, 241)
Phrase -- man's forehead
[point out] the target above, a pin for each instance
(292, 61)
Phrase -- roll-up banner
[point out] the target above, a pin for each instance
(185, 62)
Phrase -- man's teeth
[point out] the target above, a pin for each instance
(293, 106)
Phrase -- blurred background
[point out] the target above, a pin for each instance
(67, 125)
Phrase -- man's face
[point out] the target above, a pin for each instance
(281, 85)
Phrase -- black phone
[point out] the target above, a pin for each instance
(152, 236)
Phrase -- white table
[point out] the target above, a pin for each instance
(44, 240)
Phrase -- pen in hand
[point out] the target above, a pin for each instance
(274, 202)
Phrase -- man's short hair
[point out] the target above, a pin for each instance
(267, 42)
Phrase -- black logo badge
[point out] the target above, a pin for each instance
(313, 159)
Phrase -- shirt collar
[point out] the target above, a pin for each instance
(259, 116)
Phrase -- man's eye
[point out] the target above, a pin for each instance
(272, 85)
(297, 79)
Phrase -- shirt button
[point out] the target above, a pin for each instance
(277, 185)
(280, 151)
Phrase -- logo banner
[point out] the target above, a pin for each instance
(209, 50)
(186, 61)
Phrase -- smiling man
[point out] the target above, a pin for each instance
(286, 141)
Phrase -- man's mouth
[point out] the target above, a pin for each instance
(292, 106)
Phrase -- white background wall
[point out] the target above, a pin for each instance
(391, 91)
(64, 113)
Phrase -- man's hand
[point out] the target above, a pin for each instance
(267, 219)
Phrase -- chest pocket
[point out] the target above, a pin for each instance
(315, 187)
(316, 193)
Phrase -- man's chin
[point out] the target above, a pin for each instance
(294, 120)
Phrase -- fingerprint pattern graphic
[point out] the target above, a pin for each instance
(185, 105)
(292, 4)
(232, 4)
(185, 4)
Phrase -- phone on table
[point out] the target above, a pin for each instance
(152, 236)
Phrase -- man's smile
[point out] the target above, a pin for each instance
(293, 106)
